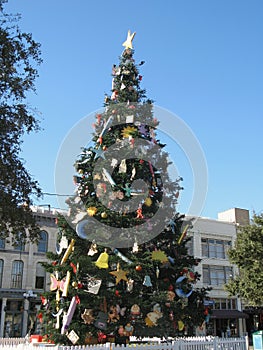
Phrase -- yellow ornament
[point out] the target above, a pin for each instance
(104, 215)
(128, 131)
(159, 255)
(148, 202)
(75, 284)
(180, 325)
(102, 261)
(128, 43)
(119, 274)
(92, 211)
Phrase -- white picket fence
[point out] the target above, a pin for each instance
(188, 343)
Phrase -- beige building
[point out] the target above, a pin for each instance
(210, 242)
(23, 279)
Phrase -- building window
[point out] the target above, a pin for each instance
(190, 245)
(17, 274)
(214, 248)
(42, 244)
(2, 243)
(225, 304)
(19, 243)
(216, 275)
(1, 271)
(40, 276)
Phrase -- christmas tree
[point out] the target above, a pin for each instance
(121, 266)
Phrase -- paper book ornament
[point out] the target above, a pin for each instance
(73, 337)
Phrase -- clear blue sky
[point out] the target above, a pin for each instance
(203, 63)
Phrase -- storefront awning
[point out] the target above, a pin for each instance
(228, 314)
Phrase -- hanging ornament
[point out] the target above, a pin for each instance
(190, 274)
(129, 329)
(135, 247)
(142, 129)
(139, 213)
(104, 215)
(66, 285)
(92, 211)
(127, 190)
(62, 244)
(69, 314)
(179, 291)
(123, 167)
(129, 119)
(157, 272)
(73, 337)
(147, 281)
(135, 310)
(171, 315)
(133, 173)
(130, 283)
(101, 337)
(148, 202)
(153, 317)
(120, 255)
(68, 252)
(99, 153)
(119, 274)
(121, 331)
(180, 325)
(183, 234)
(128, 131)
(138, 268)
(74, 267)
(101, 321)
(113, 315)
(108, 177)
(87, 316)
(159, 255)
(56, 284)
(93, 249)
(102, 261)
(114, 95)
(114, 162)
(92, 285)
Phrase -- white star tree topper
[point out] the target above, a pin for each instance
(128, 43)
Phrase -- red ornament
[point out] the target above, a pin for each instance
(139, 213)
(171, 288)
(74, 267)
(141, 161)
(138, 268)
(98, 118)
(117, 293)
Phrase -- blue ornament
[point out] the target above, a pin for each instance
(179, 291)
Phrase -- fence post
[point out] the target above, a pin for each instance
(215, 342)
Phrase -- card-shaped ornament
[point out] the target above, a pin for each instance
(92, 285)
(73, 337)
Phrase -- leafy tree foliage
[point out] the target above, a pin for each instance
(19, 55)
(248, 256)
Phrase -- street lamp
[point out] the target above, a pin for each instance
(28, 296)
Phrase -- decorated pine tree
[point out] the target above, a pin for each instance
(121, 266)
